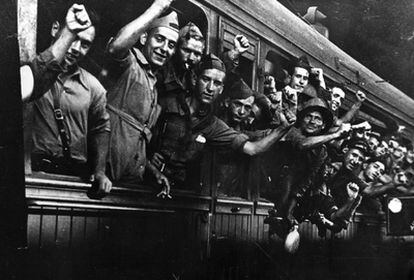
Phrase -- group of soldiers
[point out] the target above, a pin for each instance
(167, 101)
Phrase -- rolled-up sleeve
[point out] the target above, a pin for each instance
(117, 66)
(219, 134)
(98, 120)
(45, 70)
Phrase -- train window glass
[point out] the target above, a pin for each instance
(244, 69)
(114, 15)
(276, 65)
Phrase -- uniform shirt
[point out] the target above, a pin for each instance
(83, 103)
(177, 133)
(133, 92)
(172, 84)
(292, 169)
(237, 172)
(180, 139)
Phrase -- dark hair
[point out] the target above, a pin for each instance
(93, 16)
(189, 36)
(301, 62)
(357, 143)
(377, 159)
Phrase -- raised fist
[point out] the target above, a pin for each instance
(344, 130)
(318, 72)
(290, 93)
(270, 84)
(361, 96)
(77, 19)
(241, 43)
(352, 190)
(400, 178)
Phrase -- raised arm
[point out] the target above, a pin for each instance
(376, 190)
(314, 141)
(43, 70)
(231, 58)
(262, 145)
(361, 97)
(130, 33)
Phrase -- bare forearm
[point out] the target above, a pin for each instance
(351, 113)
(231, 59)
(130, 33)
(151, 167)
(62, 44)
(374, 191)
(405, 190)
(347, 210)
(262, 145)
(314, 141)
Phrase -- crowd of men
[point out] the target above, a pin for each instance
(167, 101)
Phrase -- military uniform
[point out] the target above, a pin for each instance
(133, 108)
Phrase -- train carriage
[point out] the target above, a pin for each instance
(132, 234)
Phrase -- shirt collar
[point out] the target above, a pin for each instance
(77, 74)
(143, 61)
(141, 58)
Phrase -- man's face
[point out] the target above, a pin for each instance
(241, 109)
(353, 159)
(392, 144)
(381, 150)
(160, 45)
(337, 96)
(299, 79)
(399, 153)
(373, 143)
(79, 48)
(374, 170)
(190, 52)
(210, 84)
(312, 123)
(410, 156)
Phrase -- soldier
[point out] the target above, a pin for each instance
(71, 124)
(234, 170)
(337, 95)
(132, 100)
(300, 155)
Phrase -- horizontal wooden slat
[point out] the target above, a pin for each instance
(262, 208)
(236, 207)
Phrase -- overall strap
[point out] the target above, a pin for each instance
(59, 117)
(145, 131)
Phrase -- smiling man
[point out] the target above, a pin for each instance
(337, 97)
(335, 100)
(132, 100)
(377, 184)
(301, 154)
(304, 152)
(71, 124)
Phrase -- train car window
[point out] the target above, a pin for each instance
(276, 65)
(248, 60)
(113, 15)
